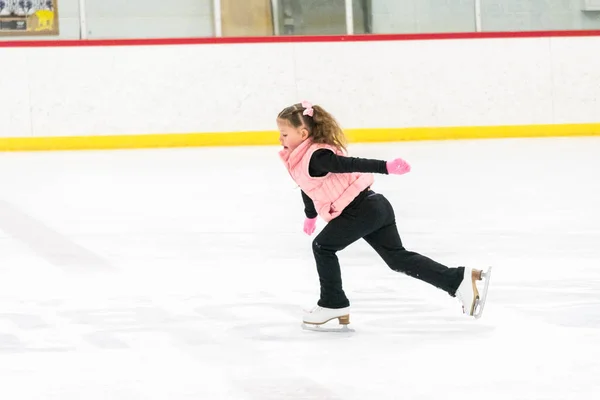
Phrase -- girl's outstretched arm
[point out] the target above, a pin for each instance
(324, 161)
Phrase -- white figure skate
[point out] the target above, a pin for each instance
(472, 298)
(315, 319)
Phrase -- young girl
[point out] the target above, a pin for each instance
(338, 188)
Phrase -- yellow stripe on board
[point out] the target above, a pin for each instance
(471, 132)
(254, 138)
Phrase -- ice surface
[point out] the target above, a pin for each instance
(182, 274)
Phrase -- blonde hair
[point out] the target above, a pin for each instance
(322, 126)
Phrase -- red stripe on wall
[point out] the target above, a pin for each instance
(297, 39)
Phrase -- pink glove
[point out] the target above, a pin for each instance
(310, 225)
(397, 166)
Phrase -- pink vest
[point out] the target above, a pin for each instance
(330, 193)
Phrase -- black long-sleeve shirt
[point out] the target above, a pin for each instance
(324, 161)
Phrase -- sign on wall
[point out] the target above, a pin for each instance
(28, 17)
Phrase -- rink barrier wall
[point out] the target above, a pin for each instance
(101, 94)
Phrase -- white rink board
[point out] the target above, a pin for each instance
(82, 91)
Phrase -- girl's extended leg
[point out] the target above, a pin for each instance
(386, 242)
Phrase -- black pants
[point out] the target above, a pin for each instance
(371, 217)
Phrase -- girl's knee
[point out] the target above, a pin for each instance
(316, 246)
(320, 248)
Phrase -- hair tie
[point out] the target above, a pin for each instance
(309, 110)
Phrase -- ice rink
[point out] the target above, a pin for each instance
(182, 274)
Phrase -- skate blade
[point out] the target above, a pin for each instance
(321, 328)
(480, 302)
